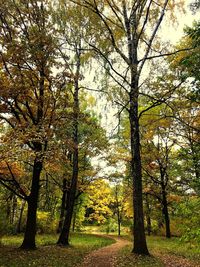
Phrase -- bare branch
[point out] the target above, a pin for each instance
(167, 54)
(3, 182)
(153, 36)
(15, 181)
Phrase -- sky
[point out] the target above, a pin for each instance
(173, 34)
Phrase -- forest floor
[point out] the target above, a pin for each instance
(106, 256)
(119, 255)
(98, 250)
(48, 254)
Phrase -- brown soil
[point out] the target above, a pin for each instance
(106, 256)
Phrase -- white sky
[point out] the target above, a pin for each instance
(171, 33)
(174, 33)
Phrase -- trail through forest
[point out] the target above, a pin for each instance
(107, 257)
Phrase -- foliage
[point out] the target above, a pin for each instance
(110, 226)
(188, 210)
(99, 201)
(79, 212)
(3, 225)
(49, 48)
(45, 223)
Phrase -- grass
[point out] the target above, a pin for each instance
(95, 229)
(127, 259)
(48, 254)
(174, 246)
(162, 251)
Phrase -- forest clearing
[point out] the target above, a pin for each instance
(85, 250)
(99, 133)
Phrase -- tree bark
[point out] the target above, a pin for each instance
(118, 211)
(30, 232)
(140, 245)
(74, 222)
(18, 228)
(119, 226)
(63, 203)
(165, 212)
(64, 235)
(14, 209)
(148, 217)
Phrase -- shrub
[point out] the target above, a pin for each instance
(189, 212)
(3, 225)
(45, 224)
(110, 226)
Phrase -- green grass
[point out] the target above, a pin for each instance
(128, 259)
(174, 246)
(161, 249)
(48, 254)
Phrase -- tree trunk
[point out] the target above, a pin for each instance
(195, 160)
(74, 221)
(62, 212)
(148, 217)
(14, 209)
(8, 207)
(118, 211)
(140, 246)
(64, 235)
(118, 219)
(119, 227)
(18, 228)
(30, 232)
(165, 212)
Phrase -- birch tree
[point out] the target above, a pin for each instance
(128, 40)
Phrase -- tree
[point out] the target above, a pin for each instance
(29, 88)
(100, 198)
(119, 199)
(125, 30)
(186, 110)
(73, 42)
(158, 170)
(195, 5)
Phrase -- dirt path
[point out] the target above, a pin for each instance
(104, 257)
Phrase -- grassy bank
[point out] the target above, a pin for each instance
(163, 253)
(48, 254)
